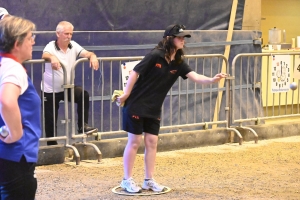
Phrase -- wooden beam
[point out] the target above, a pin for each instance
(226, 54)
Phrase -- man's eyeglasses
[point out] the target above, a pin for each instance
(178, 28)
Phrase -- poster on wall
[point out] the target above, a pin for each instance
(126, 68)
(297, 67)
(280, 73)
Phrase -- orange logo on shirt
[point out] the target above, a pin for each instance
(135, 117)
(158, 65)
(173, 71)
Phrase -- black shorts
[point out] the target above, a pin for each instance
(137, 125)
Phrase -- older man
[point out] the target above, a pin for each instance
(64, 50)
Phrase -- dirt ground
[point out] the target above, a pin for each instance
(267, 170)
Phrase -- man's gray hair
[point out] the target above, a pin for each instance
(61, 25)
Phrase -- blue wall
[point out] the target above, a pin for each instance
(112, 15)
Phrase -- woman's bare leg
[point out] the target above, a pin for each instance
(150, 154)
(130, 152)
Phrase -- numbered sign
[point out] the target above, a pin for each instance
(126, 68)
(297, 67)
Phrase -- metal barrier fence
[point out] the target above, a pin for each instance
(187, 106)
(35, 67)
(39, 83)
(257, 90)
(261, 87)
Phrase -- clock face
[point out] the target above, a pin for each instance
(280, 73)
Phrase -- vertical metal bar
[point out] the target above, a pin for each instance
(179, 101)
(187, 97)
(82, 78)
(298, 102)
(162, 114)
(254, 83)
(279, 104)
(73, 100)
(66, 107)
(31, 72)
(92, 97)
(54, 112)
(228, 91)
(110, 92)
(171, 108)
(211, 110)
(202, 93)
(120, 86)
(267, 85)
(240, 88)
(219, 69)
(273, 103)
(43, 100)
(102, 95)
(195, 91)
(293, 92)
(232, 112)
(247, 85)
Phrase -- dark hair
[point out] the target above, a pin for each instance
(167, 44)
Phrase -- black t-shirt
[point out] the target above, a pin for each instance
(156, 77)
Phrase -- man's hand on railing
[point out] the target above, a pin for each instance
(55, 63)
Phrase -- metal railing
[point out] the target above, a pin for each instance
(261, 88)
(188, 106)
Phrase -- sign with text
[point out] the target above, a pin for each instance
(126, 68)
(280, 73)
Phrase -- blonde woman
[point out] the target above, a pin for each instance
(18, 111)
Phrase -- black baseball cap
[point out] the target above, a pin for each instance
(176, 30)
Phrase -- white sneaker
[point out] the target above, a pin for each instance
(130, 186)
(152, 185)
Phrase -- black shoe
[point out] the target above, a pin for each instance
(49, 143)
(87, 130)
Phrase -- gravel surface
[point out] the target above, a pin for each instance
(267, 170)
